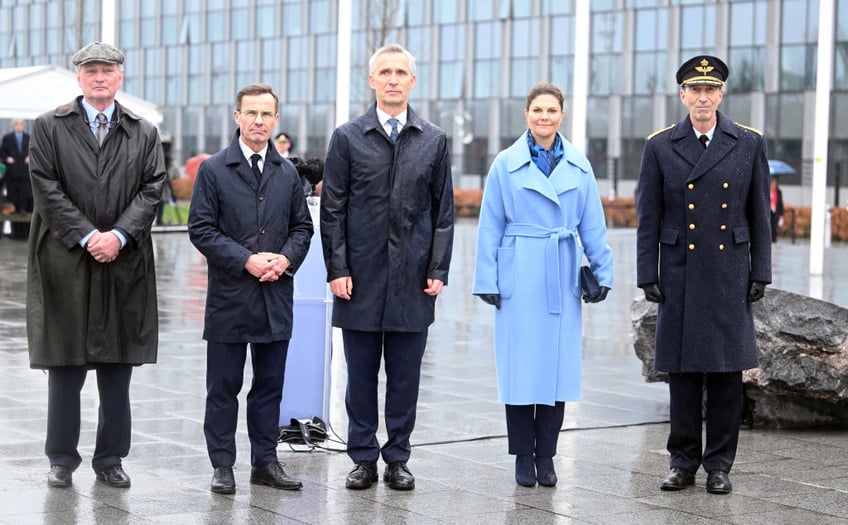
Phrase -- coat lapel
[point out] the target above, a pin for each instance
(687, 145)
(533, 179)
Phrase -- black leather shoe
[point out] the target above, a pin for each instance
(545, 472)
(718, 482)
(114, 476)
(273, 475)
(362, 476)
(677, 479)
(223, 481)
(398, 476)
(525, 470)
(59, 477)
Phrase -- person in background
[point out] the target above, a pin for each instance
(284, 144)
(97, 174)
(776, 208)
(249, 219)
(14, 153)
(387, 234)
(540, 214)
(703, 249)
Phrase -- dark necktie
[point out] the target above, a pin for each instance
(254, 165)
(394, 122)
(101, 128)
(20, 143)
(704, 139)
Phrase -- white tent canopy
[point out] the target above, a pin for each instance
(27, 92)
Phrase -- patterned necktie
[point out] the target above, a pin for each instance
(704, 139)
(101, 128)
(254, 165)
(394, 122)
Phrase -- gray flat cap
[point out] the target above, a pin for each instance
(98, 52)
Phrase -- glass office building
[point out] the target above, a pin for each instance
(476, 60)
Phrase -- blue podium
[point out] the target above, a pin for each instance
(306, 390)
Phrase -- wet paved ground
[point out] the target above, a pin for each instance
(611, 453)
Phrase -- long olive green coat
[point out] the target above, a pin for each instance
(80, 311)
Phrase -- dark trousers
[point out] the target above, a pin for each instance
(114, 423)
(224, 378)
(403, 352)
(724, 412)
(534, 429)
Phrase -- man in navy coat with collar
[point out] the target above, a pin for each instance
(704, 254)
(249, 218)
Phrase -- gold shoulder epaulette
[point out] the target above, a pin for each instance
(654, 134)
(749, 128)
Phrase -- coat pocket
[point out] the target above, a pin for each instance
(506, 268)
(741, 234)
(669, 236)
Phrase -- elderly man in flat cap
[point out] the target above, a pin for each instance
(97, 173)
(704, 255)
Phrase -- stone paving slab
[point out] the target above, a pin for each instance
(611, 454)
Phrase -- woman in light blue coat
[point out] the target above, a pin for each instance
(541, 213)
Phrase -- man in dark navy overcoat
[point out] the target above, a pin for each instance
(704, 254)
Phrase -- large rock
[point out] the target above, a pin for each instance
(802, 380)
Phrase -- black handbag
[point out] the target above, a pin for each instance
(310, 432)
(589, 284)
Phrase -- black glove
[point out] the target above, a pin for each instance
(602, 294)
(653, 293)
(493, 299)
(757, 291)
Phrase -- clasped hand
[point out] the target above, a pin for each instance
(267, 266)
(103, 246)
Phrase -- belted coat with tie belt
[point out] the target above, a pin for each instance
(703, 236)
(533, 233)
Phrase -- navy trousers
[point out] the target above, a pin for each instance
(534, 429)
(114, 422)
(224, 378)
(403, 352)
(724, 413)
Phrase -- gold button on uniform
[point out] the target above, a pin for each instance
(723, 205)
(691, 246)
(691, 206)
(721, 247)
(691, 186)
(723, 227)
(725, 185)
(691, 226)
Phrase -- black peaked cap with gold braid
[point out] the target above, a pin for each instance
(702, 70)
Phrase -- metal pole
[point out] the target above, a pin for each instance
(343, 63)
(580, 90)
(821, 125)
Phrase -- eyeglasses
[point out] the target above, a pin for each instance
(252, 114)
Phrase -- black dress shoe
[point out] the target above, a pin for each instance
(114, 476)
(273, 475)
(677, 479)
(525, 470)
(223, 481)
(362, 475)
(718, 482)
(398, 476)
(59, 477)
(545, 472)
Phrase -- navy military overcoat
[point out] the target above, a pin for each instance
(703, 236)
